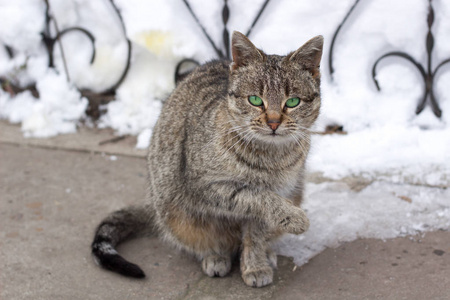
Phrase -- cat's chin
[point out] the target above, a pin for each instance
(275, 138)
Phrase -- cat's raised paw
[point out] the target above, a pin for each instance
(216, 265)
(296, 222)
(258, 278)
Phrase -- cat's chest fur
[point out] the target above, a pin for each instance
(275, 170)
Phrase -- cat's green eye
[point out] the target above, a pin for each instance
(255, 100)
(292, 102)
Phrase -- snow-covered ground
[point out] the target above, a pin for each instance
(385, 138)
(382, 210)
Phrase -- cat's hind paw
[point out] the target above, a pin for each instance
(216, 265)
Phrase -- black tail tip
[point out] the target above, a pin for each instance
(118, 264)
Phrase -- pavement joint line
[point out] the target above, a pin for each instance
(56, 148)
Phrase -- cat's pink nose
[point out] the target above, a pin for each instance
(273, 124)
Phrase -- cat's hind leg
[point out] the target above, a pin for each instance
(214, 240)
(217, 261)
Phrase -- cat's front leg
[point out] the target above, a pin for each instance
(279, 213)
(257, 261)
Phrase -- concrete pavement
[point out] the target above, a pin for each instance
(53, 196)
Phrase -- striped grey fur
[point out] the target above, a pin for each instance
(222, 180)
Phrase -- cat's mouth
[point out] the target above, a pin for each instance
(274, 135)
(267, 135)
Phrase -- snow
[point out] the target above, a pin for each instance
(59, 107)
(382, 210)
(385, 139)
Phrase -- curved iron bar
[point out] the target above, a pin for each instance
(333, 41)
(406, 56)
(440, 65)
(434, 104)
(225, 35)
(50, 41)
(261, 10)
(88, 34)
(112, 90)
(180, 76)
(119, 15)
(9, 51)
(218, 52)
(400, 54)
(428, 75)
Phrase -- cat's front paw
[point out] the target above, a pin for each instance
(258, 277)
(295, 221)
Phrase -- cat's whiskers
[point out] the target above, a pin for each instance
(223, 132)
(252, 137)
(235, 129)
(302, 137)
(298, 126)
(233, 126)
(241, 137)
(297, 140)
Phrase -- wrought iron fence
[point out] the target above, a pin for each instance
(223, 52)
(95, 98)
(428, 75)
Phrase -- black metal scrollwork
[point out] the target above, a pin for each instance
(429, 75)
(225, 37)
(333, 41)
(50, 41)
(95, 98)
(185, 66)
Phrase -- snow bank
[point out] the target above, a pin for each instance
(382, 210)
(59, 108)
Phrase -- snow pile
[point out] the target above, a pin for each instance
(382, 210)
(59, 108)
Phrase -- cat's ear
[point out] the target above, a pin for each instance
(309, 55)
(243, 51)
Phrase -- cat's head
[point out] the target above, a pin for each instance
(271, 97)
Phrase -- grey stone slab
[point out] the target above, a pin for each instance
(52, 200)
(401, 268)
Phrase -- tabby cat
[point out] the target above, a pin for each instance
(226, 163)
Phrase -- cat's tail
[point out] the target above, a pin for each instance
(117, 227)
